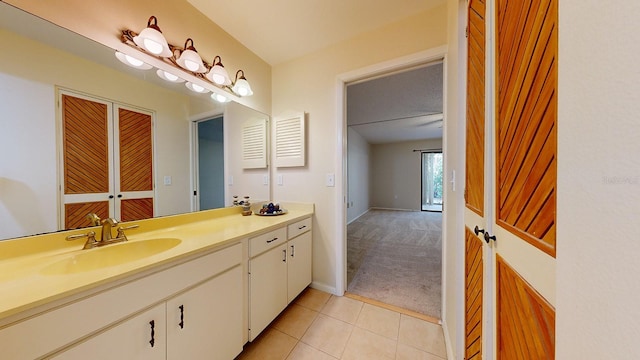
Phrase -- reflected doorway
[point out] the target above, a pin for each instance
(209, 152)
(432, 181)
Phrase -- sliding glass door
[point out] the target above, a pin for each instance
(432, 181)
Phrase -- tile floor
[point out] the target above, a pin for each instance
(318, 325)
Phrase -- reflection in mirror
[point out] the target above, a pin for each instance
(48, 60)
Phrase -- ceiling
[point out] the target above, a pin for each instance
(281, 30)
(400, 107)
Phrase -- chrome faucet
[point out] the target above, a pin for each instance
(106, 229)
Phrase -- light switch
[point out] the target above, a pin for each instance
(331, 180)
(265, 179)
(230, 182)
(167, 180)
(280, 180)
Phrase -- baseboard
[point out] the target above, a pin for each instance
(324, 287)
(447, 340)
(394, 209)
(359, 216)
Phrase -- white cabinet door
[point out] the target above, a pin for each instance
(141, 337)
(267, 288)
(206, 321)
(299, 265)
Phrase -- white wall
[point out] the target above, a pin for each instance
(246, 182)
(396, 174)
(26, 74)
(598, 181)
(358, 175)
(310, 84)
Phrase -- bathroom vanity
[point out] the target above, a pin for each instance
(183, 287)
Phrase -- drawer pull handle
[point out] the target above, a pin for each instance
(302, 227)
(181, 323)
(284, 255)
(153, 333)
(272, 240)
(293, 250)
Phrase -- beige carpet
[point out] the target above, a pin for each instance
(395, 257)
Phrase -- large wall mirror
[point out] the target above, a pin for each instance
(44, 60)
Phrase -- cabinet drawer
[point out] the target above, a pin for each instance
(261, 243)
(298, 228)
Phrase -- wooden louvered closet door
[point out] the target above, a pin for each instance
(511, 160)
(525, 177)
(107, 159)
(474, 192)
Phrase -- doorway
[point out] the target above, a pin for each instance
(385, 226)
(432, 171)
(209, 163)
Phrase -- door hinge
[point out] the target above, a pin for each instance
(466, 32)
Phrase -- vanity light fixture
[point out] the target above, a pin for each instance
(241, 85)
(182, 64)
(218, 74)
(165, 75)
(189, 58)
(196, 88)
(152, 40)
(132, 61)
(220, 98)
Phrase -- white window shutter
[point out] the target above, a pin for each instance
(290, 141)
(254, 144)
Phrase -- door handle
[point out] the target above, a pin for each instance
(488, 237)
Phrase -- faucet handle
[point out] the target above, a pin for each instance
(91, 239)
(121, 230)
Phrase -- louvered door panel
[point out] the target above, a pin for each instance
(473, 296)
(526, 120)
(76, 213)
(86, 147)
(136, 209)
(290, 141)
(526, 322)
(254, 144)
(474, 182)
(136, 151)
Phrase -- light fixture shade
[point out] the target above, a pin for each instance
(220, 98)
(190, 60)
(218, 74)
(196, 88)
(165, 75)
(242, 87)
(152, 40)
(132, 61)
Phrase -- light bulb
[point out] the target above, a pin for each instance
(191, 65)
(133, 61)
(218, 79)
(153, 46)
(170, 76)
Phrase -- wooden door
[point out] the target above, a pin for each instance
(87, 158)
(514, 207)
(475, 180)
(105, 171)
(134, 173)
(525, 184)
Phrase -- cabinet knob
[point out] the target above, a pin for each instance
(272, 240)
(284, 255)
(181, 323)
(488, 237)
(477, 230)
(293, 250)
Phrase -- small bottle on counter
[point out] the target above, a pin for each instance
(246, 207)
(235, 200)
